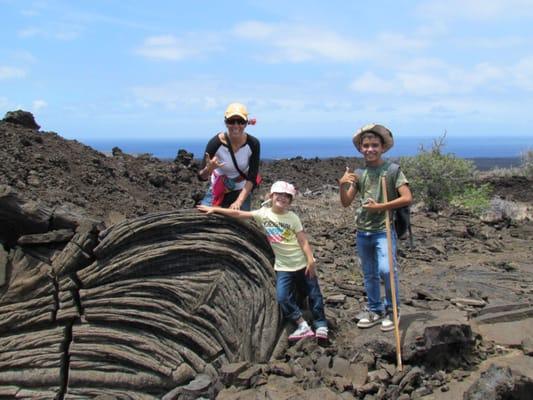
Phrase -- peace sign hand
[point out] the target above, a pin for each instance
(212, 163)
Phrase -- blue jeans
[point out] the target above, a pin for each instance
(374, 257)
(287, 284)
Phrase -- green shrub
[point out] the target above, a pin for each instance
(473, 199)
(527, 163)
(435, 178)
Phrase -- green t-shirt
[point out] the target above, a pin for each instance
(369, 186)
(281, 230)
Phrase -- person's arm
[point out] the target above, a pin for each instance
(347, 187)
(245, 191)
(306, 248)
(211, 161)
(226, 211)
(403, 200)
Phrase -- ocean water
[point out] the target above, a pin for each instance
(280, 148)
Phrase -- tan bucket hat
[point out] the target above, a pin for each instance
(377, 129)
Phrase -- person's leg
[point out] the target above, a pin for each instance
(287, 300)
(384, 270)
(247, 205)
(366, 248)
(316, 300)
(208, 197)
(285, 295)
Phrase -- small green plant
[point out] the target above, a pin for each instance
(435, 178)
(527, 163)
(473, 199)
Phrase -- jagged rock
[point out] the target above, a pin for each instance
(60, 235)
(469, 302)
(23, 118)
(184, 157)
(380, 375)
(439, 342)
(412, 378)
(18, 215)
(281, 369)
(527, 346)
(3, 265)
(505, 316)
(249, 376)
(495, 383)
(157, 301)
(336, 299)
(229, 372)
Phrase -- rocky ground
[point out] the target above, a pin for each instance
(469, 280)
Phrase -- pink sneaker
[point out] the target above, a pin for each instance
(301, 332)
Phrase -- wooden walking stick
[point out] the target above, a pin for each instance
(392, 280)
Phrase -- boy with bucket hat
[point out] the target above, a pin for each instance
(372, 141)
(294, 261)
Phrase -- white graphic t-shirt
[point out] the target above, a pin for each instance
(281, 230)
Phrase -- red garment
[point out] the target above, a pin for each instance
(218, 189)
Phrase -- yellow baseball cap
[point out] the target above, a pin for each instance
(236, 109)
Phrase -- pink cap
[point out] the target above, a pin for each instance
(283, 187)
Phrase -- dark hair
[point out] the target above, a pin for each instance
(372, 134)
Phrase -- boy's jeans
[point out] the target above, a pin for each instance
(286, 287)
(373, 255)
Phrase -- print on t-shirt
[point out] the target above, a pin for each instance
(277, 232)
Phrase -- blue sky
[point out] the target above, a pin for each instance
(167, 69)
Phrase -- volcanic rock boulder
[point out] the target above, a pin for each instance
(136, 311)
(23, 118)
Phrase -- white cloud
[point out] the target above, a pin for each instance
(60, 32)
(423, 84)
(433, 77)
(395, 41)
(254, 30)
(23, 56)
(370, 83)
(7, 72)
(173, 95)
(39, 105)
(297, 43)
(522, 73)
(491, 43)
(172, 48)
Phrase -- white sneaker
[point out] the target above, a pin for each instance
(321, 333)
(301, 332)
(388, 322)
(369, 319)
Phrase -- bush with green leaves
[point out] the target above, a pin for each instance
(435, 178)
(473, 199)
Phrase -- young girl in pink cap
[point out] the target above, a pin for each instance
(294, 264)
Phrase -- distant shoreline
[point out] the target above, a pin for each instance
(481, 163)
(487, 163)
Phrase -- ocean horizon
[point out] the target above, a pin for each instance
(283, 148)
